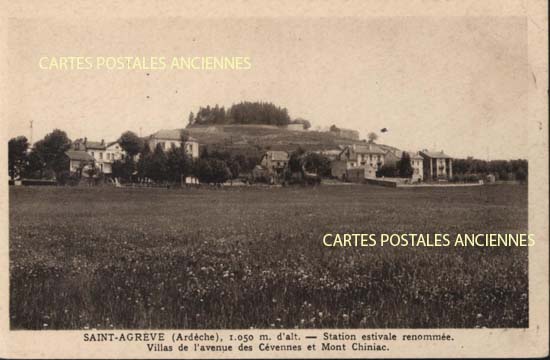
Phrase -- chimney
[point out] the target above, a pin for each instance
(85, 140)
(102, 141)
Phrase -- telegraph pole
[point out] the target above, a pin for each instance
(31, 135)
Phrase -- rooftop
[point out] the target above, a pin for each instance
(87, 144)
(414, 155)
(367, 149)
(79, 155)
(435, 154)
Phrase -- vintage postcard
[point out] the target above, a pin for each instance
(258, 179)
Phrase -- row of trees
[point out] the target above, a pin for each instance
(47, 159)
(174, 165)
(501, 169)
(246, 112)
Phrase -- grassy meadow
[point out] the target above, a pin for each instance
(111, 258)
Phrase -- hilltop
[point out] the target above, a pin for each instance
(257, 138)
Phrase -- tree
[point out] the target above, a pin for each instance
(203, 170)
(124, 169)
(295, 161)
(131, 143)
(220, 172)
(372, 137)
(318, 164)
(143, 162)
(404, 166)
(234, 168)
(334, 128)
(52, 150)
(387, 170)
(178, 164)
(91, 170)
(17, 156)
(304, 122)
(35, 166)
(521, 174)
(157, 170)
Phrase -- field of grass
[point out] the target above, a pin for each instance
(253, 257)
(251, 138)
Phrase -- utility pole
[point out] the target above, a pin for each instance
(31, 143)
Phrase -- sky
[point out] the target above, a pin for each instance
(455, 84)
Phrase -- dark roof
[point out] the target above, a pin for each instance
(79, 155)
(435, 154)
(87, 144)
(112, 143)
(95, 145)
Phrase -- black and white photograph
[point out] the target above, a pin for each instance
(312, 177)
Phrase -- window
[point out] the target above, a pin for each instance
(163, 145)
(101, 156)
(93, 154)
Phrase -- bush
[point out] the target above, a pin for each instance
(68, 178)
(387, 170)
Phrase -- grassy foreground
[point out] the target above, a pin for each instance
(238, 258)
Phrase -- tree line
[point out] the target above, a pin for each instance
(246, 112)
(465, 170)
(174, 165)
(504, 170)
(48, 160)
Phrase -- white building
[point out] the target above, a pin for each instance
(104, 154)
(437, 165)
(174, 138)
(369, 157)
(79, 160)
(417, 163)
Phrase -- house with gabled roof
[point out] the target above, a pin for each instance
(272, 166)
(437, 165)
(173, 138)
(417, 161)
(103, 154)
(78, 160)
(274, 161)
(369, 157)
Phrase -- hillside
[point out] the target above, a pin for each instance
(255, 138)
